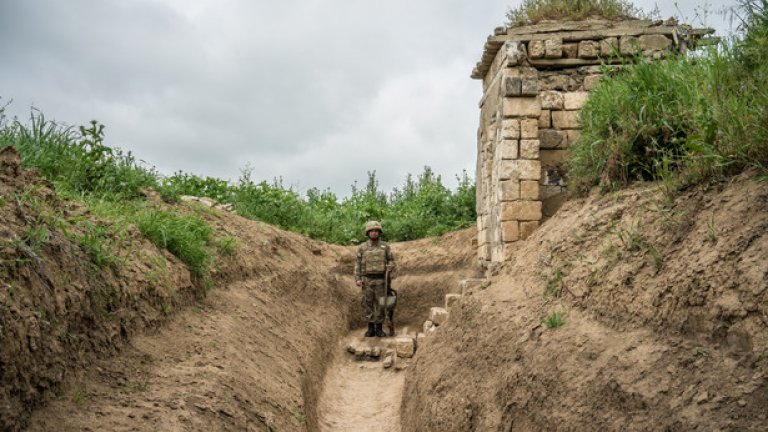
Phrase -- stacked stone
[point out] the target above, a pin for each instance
(535, 81)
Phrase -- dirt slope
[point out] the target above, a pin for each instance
(666, 319)
(96, 346)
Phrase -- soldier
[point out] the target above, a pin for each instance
(374, 261)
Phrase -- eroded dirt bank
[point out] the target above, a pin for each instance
(666, 323)
(137, 345)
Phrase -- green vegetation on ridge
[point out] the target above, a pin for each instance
(533, 11)
(81, 165)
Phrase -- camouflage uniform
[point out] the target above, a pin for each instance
(370, 267)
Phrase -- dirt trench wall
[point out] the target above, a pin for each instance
(72, 334)
(664, 309)
(535, 81)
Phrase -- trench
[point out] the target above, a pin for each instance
(360, 395)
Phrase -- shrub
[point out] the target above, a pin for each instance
(532, 11)
(686, 118)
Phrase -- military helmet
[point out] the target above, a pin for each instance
(373, 225)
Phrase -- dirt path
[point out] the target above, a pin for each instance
(360, 396)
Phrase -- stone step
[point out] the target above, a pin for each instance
(451, 299)
(438, 315)
(375, 349)
(468, 286)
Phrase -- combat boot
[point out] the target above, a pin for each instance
(378, 331)
(371, 330)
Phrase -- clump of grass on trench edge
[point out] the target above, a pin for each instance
(185, 236)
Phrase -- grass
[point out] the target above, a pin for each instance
(554, 320)
(533, 11)
(94, 241)
(555, 284)
(681, 121)
(185, 236)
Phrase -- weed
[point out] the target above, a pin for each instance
(36, 237)
(301, 417)
(3, 201)
(700, 352)
(93, 241)
(79, 398)
(554, 320)
(166, 309)
(554, 284)
(712, 230)
(226, 245)
(632, 238)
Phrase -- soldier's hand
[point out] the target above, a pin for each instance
(359, 282)
(390, 267)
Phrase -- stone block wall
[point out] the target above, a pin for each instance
(535, 81)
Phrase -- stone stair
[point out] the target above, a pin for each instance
(390, 349)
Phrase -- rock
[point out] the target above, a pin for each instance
(628, 45)
(609, 47)
(388, 361)
(565, 119)
(401, 366)
(551, 100)
(742, 403)
(376, 352)
(588, 49)
(553, 48)
(653, 43)
(702, 397)
(550, 138)
(536, 49)
(574, 100)
(451, 299)
(405, 346)
(438, 315)
(591, 81)
(469, 285)
(351, 349)
(570, 50)
(428, 325)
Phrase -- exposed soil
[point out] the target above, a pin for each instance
(666, 311)
(360, 396)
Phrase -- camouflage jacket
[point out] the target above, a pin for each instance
(372, 259)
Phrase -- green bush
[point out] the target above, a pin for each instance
(532, 11)
(687, 118)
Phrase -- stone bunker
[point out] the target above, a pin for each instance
(535, 80)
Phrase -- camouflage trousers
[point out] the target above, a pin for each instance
(373, 288)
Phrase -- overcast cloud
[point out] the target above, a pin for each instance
(315, 92)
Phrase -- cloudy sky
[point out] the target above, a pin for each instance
(316, 92)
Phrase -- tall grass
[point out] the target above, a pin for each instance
(79, 162)
(685, 119)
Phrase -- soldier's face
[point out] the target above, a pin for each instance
(374, 234)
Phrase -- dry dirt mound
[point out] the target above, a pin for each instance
(666, 311)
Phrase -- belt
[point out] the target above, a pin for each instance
(381, 276)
